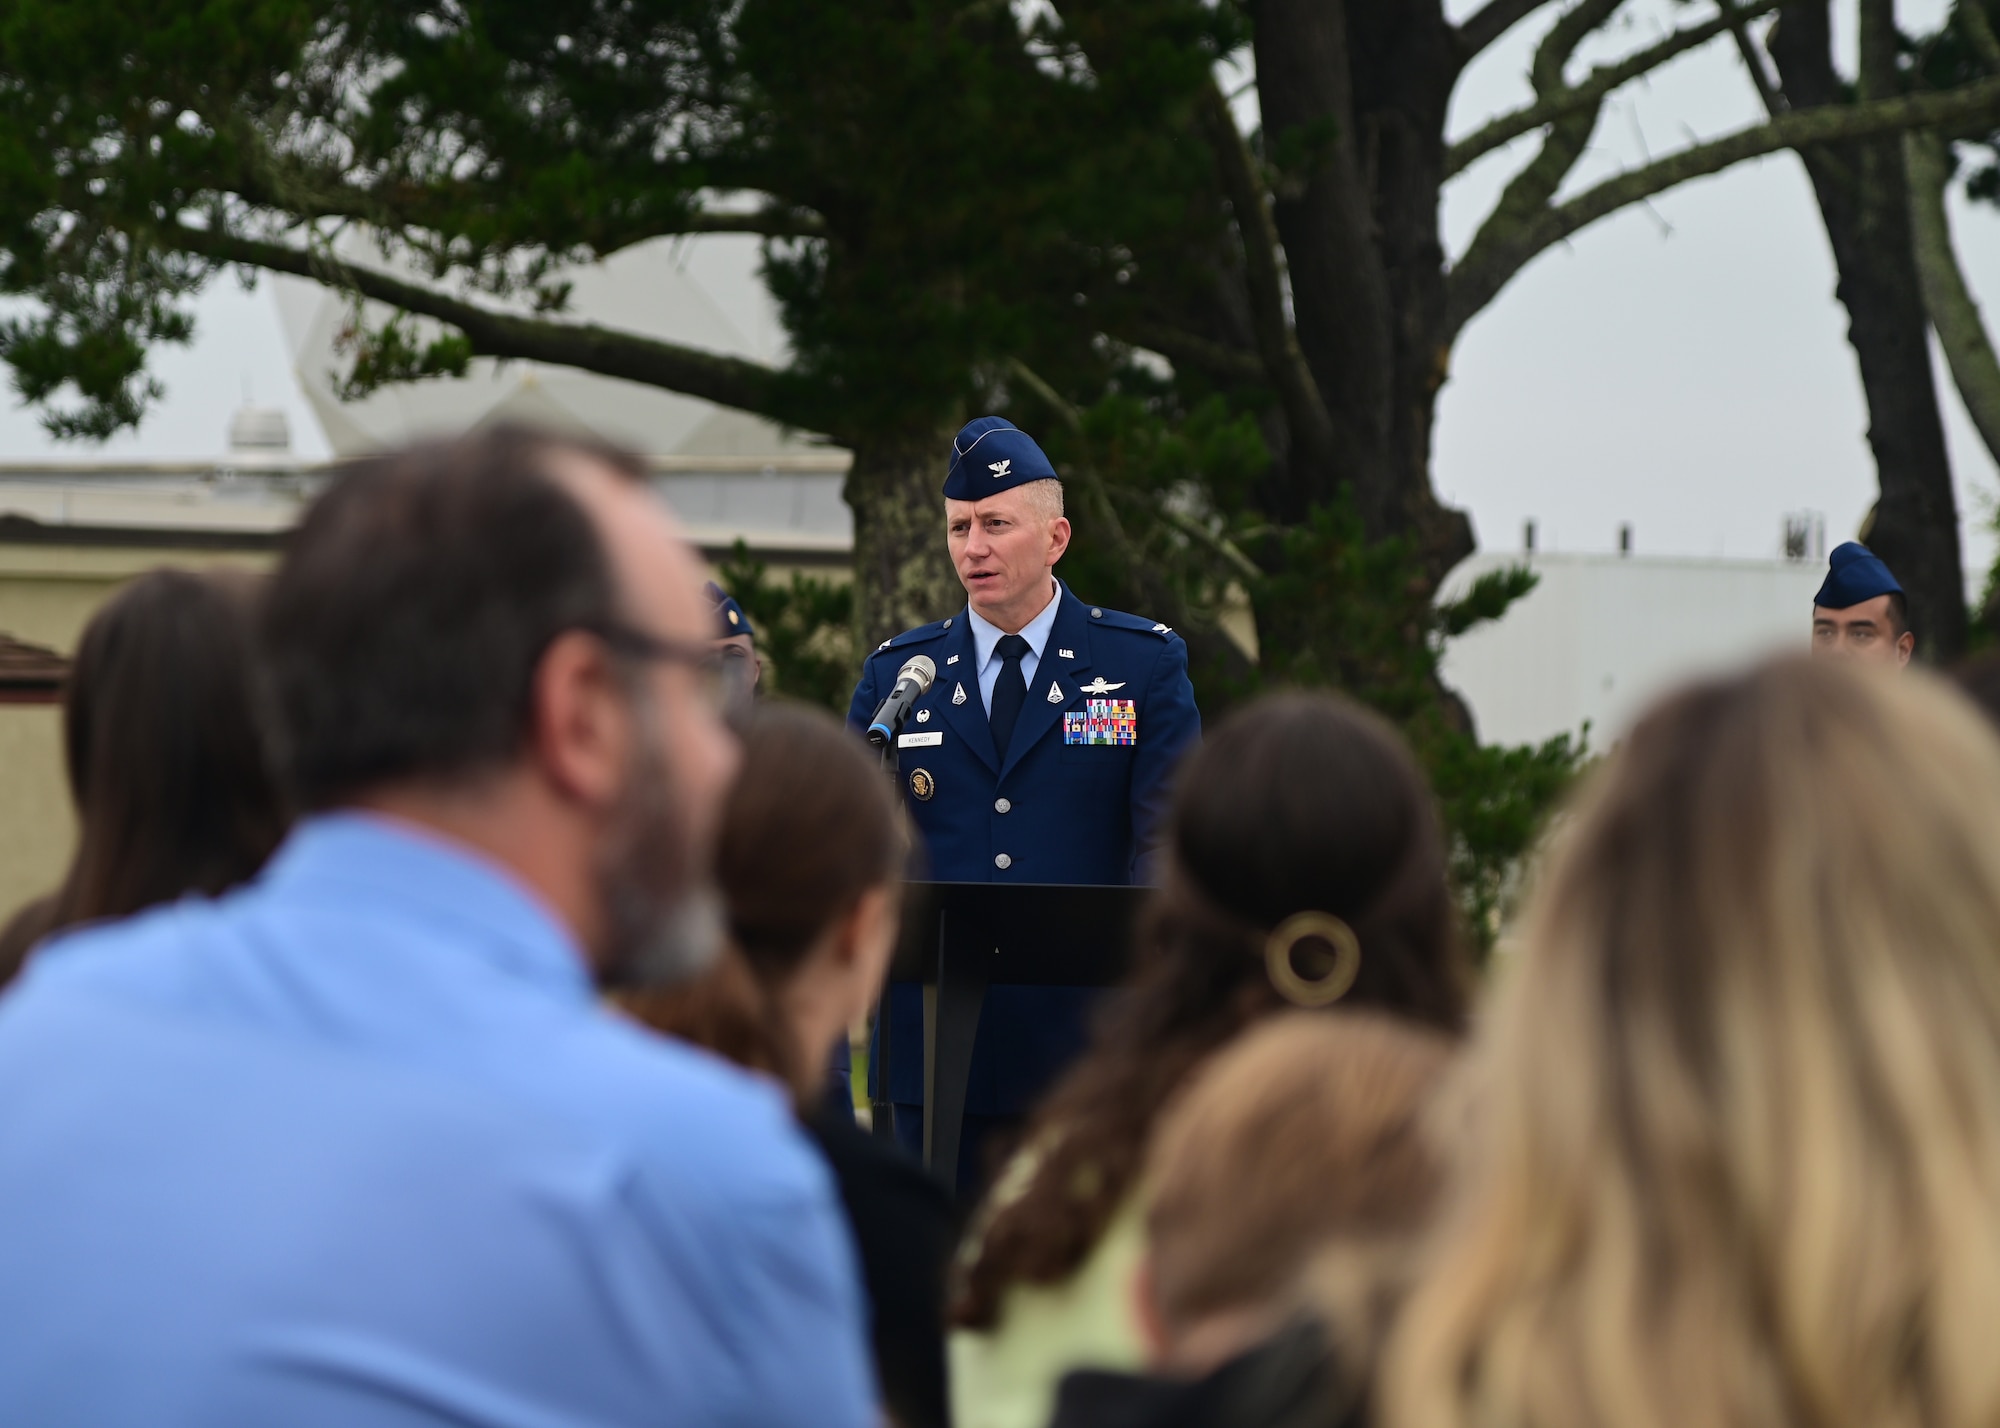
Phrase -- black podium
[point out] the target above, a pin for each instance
(961, 938)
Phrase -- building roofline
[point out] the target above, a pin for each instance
(831, 462)
(715, 544)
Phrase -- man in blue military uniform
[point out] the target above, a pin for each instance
(1860, 612)
(735, 640)
(1042, 753)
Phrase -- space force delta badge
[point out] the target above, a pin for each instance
(1103, 721)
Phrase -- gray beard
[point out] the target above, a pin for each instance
(680, 945)
(663, 921)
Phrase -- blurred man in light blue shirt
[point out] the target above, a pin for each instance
(357, 1145)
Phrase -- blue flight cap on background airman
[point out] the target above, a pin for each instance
(1854, 573)
(729, 616)
(992, 454)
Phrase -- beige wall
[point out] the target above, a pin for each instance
(37, 829)
(49, 592)
(47, 595)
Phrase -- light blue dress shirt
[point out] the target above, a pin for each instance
(358, 1146)
(986, 635)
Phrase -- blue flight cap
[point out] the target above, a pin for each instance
(992, 454)
(729, 616)
(1854, 573)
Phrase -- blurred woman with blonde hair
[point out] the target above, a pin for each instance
(1735, 1157)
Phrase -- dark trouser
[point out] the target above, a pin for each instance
(981, 1139)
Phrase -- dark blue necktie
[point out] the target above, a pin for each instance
(1010, 692)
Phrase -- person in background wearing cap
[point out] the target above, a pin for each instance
(734, 639)
(1861, 612)
(1041, 753)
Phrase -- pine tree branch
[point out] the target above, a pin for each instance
(727, 381)
(1953, 311)
(787, 224)
(1185, 349)
(1502, 250)
(1971, 15)
(1598, 83)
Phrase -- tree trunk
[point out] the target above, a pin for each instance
(1406, 67)
(902, 573)
(1354, 97)
(1863, 193)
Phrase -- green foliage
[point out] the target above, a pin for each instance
(969, 211)
(805, 630)
(1495, 800)
(1950, 58)
(1148, 486)
(1982, 621)
(1488, 599)
(957, 187)
(393, 351)
(1347, 614)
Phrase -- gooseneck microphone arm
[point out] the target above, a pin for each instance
(911, 681)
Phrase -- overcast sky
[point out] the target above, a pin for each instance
(1681, 366)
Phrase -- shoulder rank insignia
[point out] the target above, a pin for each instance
(1098, 686)
(884, 645)
(1161, 629)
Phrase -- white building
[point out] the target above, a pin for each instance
(1602, 636)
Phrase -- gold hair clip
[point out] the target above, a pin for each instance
(1303, 991)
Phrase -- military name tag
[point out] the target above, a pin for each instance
(1103, 721)
(920, 741)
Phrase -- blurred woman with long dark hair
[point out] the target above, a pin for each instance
(809, 861)
(168, 762)
(1305, 868)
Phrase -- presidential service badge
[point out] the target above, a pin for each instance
(1103, 721)
(922, 785)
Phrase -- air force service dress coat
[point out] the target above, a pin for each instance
(1079, 796)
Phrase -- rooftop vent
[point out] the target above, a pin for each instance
(259, 429)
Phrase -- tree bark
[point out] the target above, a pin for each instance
(903, 576)
(1354, 98)
(1863, 194)
(1406, 60)
(1340, 293)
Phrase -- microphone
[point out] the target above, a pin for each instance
(911, 682)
